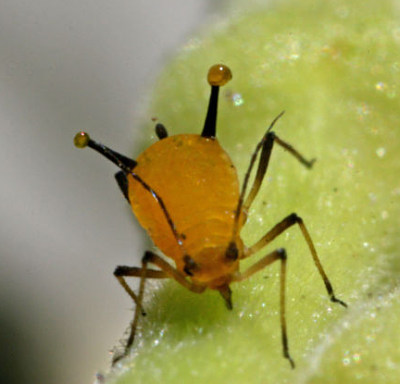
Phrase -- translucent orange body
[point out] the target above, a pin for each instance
(199, 185)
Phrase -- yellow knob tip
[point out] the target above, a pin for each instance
(81, 140)
(218, 75)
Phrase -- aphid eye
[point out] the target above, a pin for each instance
(218, 75)
(81, 140)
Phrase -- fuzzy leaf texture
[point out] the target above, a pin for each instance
(334, 67)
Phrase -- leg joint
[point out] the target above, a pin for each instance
(147, 257)
(270, 135)
(282, 253)
(121, 270)
(293, 218)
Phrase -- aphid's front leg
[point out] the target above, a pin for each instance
(279, 254)
(123, 271)
(286, 223)
(167, 271)
(173, 273)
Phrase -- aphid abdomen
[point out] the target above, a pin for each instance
(194, 178)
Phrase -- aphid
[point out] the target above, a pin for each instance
(184, 190)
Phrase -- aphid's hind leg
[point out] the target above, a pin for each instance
(279, 254)
(161, 131)
(267, 143)
(286, 223)
(167, 271)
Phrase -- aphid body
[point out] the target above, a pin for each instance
(200, 188)
(184, 190)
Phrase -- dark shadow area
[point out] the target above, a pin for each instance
(19, 352)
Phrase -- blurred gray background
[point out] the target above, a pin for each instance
(64, 67)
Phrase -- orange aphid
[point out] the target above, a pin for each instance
(184, 190)
(201, 201)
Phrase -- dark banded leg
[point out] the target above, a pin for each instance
(283, 226)
(123, 271)
(167, 271)
(267, 144)
(279, 254)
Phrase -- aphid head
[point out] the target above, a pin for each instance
(213, 266)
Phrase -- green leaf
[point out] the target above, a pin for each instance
(334, 67)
